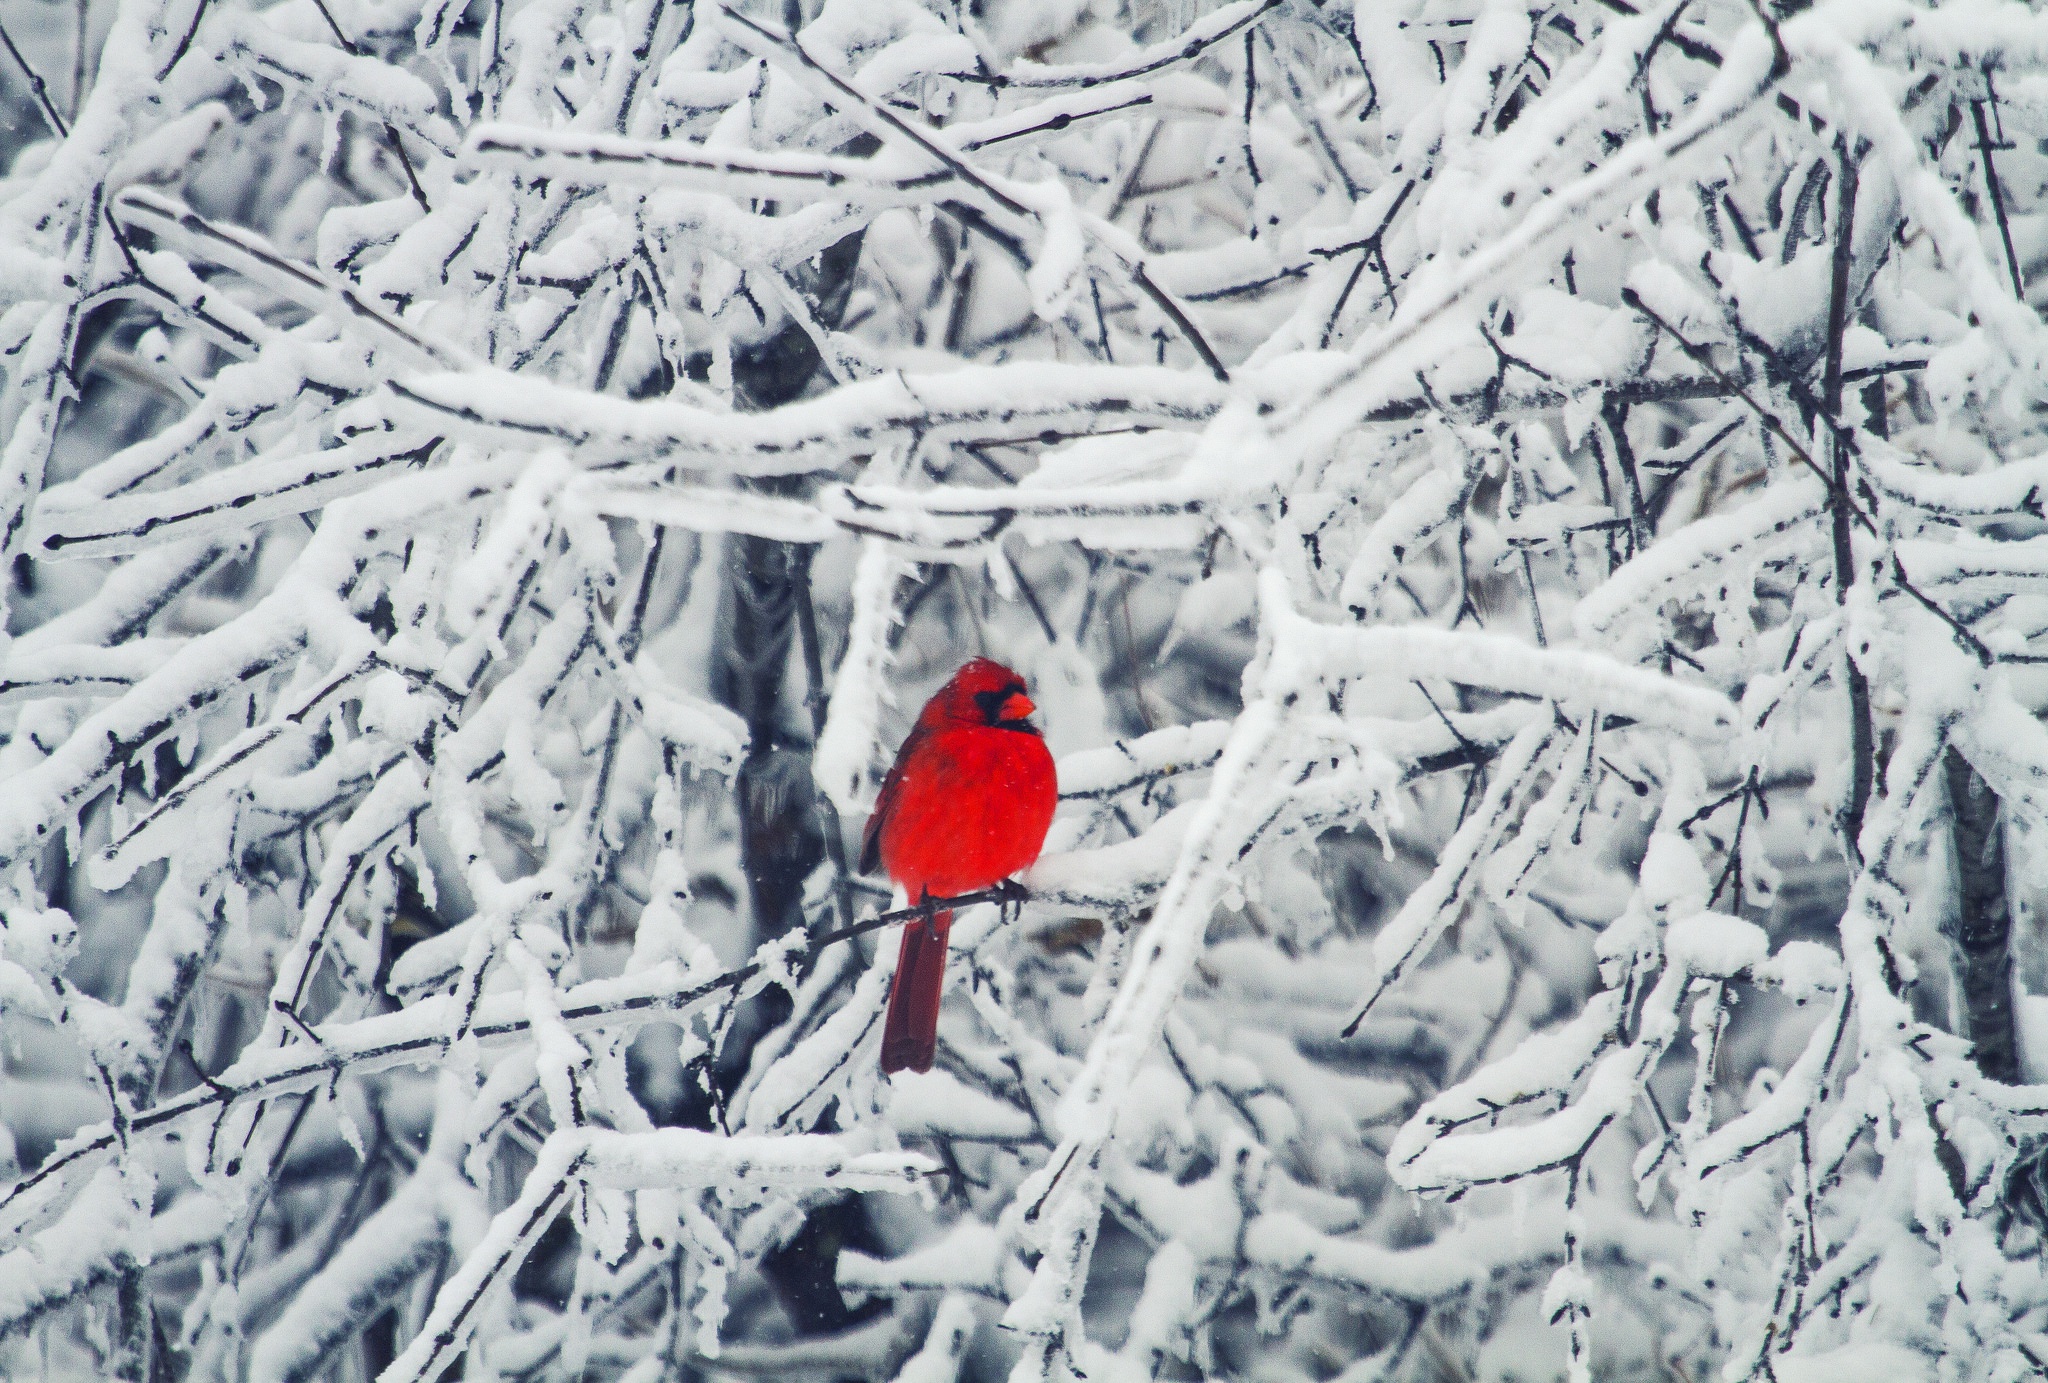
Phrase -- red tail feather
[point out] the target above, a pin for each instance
(910, 1035)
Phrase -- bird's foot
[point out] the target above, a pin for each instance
(1010, 894)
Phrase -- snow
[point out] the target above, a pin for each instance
(1509, 665)
(1716, 946)
(1869, 1359)
(935, 1104)
(938, 1360)
(389, 1249)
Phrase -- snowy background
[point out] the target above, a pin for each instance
(1525, 522)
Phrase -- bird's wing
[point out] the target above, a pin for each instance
(871, 841)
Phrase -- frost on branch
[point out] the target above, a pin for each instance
(1518, 519)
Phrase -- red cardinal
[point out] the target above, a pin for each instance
(966, 806)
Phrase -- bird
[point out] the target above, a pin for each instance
(965, 806)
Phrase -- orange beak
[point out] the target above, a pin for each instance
(1017, 707)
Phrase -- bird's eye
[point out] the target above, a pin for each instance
(1004, 704)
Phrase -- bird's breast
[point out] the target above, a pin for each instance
(974, 807)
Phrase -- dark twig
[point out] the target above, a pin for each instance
(1975, 646)
(1985, 145)
(36, 85)
(1165, 303)
(1054, 124)
(349, 47)
(1616, 414)
(1982, 926)
(1705, 360)
(1189, 50)
(1862, 735)
(185, 43)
